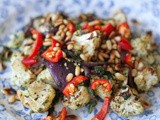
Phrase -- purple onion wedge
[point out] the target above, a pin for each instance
(59, 72)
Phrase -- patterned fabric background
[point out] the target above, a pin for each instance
(14, 14)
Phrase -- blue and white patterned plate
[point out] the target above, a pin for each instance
(16, 14)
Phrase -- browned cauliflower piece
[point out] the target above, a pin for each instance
(125, 103)
(100, 90)
(80, 98)
(146, 78)
(38, 96)
(21, 75)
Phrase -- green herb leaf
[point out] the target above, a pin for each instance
(109, 75)
(100, 70)
(91, 105)
(91, 92)
(76, 57)
(78, 27)
(126, 96)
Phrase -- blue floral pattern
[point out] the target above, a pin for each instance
(15, 14)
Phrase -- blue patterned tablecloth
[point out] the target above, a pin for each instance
(14, 14)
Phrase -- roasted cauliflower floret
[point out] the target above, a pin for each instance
(126, 104)
(86, 43)
(119, 17)
(16, 40)
(38, 96)
(46, 77)
(78, 99)
(100, 89)
(21, 75)
(141, 46)
(146, 78)
(27, 46)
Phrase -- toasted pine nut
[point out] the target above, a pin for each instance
(110, 69)
(136, 64)
(82, 70)
(62, 35)
(12, 99)
(47, 39)
(112, 56)
(113, 41)
(83, 57)
(68, 33)
(65, 29)
(34, 36)
(77, 70)
(64, 54)
(65, 21)
(109, 44)
(69, 46)
(58, 22)
(100, 57)
(140, 66)
(117, 38)
(67, 38)
(114, 46)
(38, 71)
(61, 27)
(117, 66)
(104, 46)
(69, 77)
(57, 44)
(117, 54)
(47, 43)
(48, 35)
(119, 76)
(95, 22)
(105, 55)
(42, 20)
(134, 72)
(56, 48)
(117, 60)
(59, 33)
(57, 37)
(29, 42)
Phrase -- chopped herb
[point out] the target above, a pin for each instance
(44, 102)
(126, 96)
(125, 72)
(40, 109)
(91, 105)
(91, 92)
(23, 88)
(99, 70)
(81, 84)
(76, 57)
(109, 75)
(78, 27)
(36, 98)
(31, 111)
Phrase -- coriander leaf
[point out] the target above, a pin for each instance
(78, 27)
(91, 105)
(126, 96)
(109, 75)
(100, 70)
